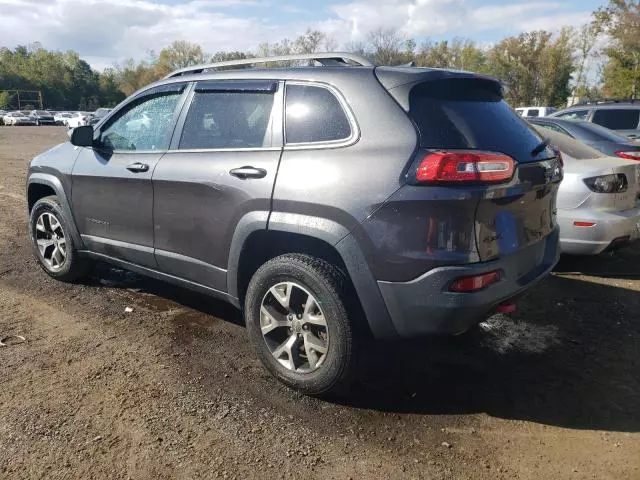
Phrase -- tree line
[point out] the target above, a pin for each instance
(537, 68)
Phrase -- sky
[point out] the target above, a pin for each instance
(108, 31)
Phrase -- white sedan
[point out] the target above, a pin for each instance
(77, 119)
(17, 118)
(62, 118)
(597, 202)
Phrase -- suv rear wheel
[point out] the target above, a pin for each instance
(298, 324)
(53, 246)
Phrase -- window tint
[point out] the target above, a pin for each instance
(146, 125)
(553, 127)
(622, 119)
(228, 120)
(595, 133)
(314, 114)
(575, 115)
(533, 112)
(470, 114)
(569, 146)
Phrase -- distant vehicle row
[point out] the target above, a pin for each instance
(45, 117)
(623, 117)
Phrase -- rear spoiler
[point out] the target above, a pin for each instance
(400, 80)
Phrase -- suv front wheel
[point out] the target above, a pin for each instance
(52, 245)
(298, 324)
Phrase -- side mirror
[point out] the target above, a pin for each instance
(82, 136)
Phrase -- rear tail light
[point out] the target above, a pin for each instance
(465, 167)
(584, 224)
(629, 155)
(616, 183)
(474, 283)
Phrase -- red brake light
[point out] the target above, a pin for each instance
(584, 224)
(474, 283)
(629, 155)
(465, 166)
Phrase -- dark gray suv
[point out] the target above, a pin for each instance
(328, 202)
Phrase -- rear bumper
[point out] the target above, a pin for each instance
(426, 306)
(609, 226)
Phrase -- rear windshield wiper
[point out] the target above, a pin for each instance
(544, 144)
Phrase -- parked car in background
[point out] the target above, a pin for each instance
(77, 119)
(598, 201)
(624, 117)
(61, 118)
(441, 208)
(602, 139)
(42, 117)
(18, 118)
(98, 115)
(535, 111)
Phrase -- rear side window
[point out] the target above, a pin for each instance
(219, 119)
(469, 114)
(575, 115)
(622, 119)
(533, 112)
(314, 114)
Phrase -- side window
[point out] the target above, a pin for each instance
(622, 119)
(146, 125)
(228, 120)
(533, 112)
(314, 114)
(575, 115)
(555, 128)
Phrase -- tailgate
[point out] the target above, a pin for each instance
(511, 218)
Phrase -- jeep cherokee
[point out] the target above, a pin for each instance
(328, 202)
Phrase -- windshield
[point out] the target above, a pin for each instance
(569, 146)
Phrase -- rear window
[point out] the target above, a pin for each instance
(470, 114)
(569, 146)
(595, 133)
(575, 115)
(621, 119)
(533, 112)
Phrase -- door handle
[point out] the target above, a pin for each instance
(138, 167)
(248, 172)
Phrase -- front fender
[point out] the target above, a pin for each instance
(54, 182)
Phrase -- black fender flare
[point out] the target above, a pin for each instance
(330, 232)
(54, 182)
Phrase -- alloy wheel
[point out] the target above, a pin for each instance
(51, 241)
(294, 327)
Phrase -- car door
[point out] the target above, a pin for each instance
(221, 166)
(112, 193)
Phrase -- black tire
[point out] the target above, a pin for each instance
(74, 267)
(328, 285)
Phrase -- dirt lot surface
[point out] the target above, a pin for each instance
(172, 390)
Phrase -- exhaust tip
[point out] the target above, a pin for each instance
(507, 307)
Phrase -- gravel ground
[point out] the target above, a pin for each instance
(172, 390)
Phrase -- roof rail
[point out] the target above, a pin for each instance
(325, 58)
(605, 101)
